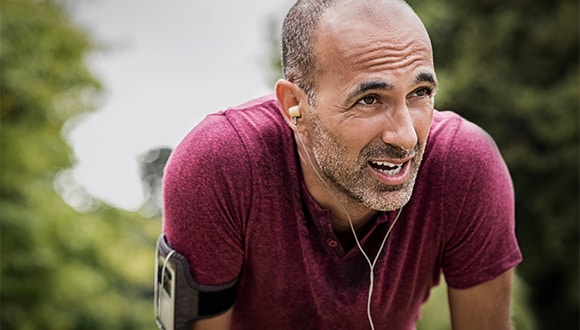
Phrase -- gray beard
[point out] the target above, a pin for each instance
(353, 180)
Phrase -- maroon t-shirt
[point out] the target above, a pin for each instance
(236, 206)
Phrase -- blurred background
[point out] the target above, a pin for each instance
(94, 95)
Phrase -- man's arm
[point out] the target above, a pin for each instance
(482, 307)
(220, 322)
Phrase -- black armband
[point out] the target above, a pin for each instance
(179, 300)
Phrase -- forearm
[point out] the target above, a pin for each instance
(483, 307)
(220, 322)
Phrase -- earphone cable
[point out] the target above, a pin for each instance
(162, 284)
(358, 244)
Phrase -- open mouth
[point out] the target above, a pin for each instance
(387, 168)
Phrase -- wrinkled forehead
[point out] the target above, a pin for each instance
(358, 23)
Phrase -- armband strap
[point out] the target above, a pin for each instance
(179, 300)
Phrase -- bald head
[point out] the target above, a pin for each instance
(310, 20)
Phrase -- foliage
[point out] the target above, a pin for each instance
(60, 269)
(512, 67)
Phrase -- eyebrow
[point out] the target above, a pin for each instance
(362, 88)
(367, 86)
(425, 76)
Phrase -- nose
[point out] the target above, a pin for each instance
(400, 129)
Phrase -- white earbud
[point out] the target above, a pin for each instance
(294, 113)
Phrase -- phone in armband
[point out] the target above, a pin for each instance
(178, 299)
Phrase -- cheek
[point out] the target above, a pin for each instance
(422, 122)
(357, 135)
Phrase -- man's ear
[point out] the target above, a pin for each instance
(289, 97)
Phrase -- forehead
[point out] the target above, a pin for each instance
(372, 33)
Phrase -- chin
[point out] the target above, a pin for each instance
(393, 201)
(389, 199)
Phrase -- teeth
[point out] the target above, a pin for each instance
(385, 164)
(388, 168)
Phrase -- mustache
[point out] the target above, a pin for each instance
(377, 151)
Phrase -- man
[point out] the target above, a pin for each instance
(338, 203)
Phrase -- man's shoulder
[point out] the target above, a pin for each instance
(231, 129)
(260, 126)
(458, 146)
(244, 121)
(448, 124)
(252, 133)
(264, 102)
(450, 132)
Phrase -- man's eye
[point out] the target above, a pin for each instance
(422, 92)
(369, 100)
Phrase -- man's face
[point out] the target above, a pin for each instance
(374, 103)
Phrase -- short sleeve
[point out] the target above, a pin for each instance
(207, 186)
(479, 209)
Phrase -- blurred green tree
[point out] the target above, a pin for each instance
(512, 67)
(60, 269)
